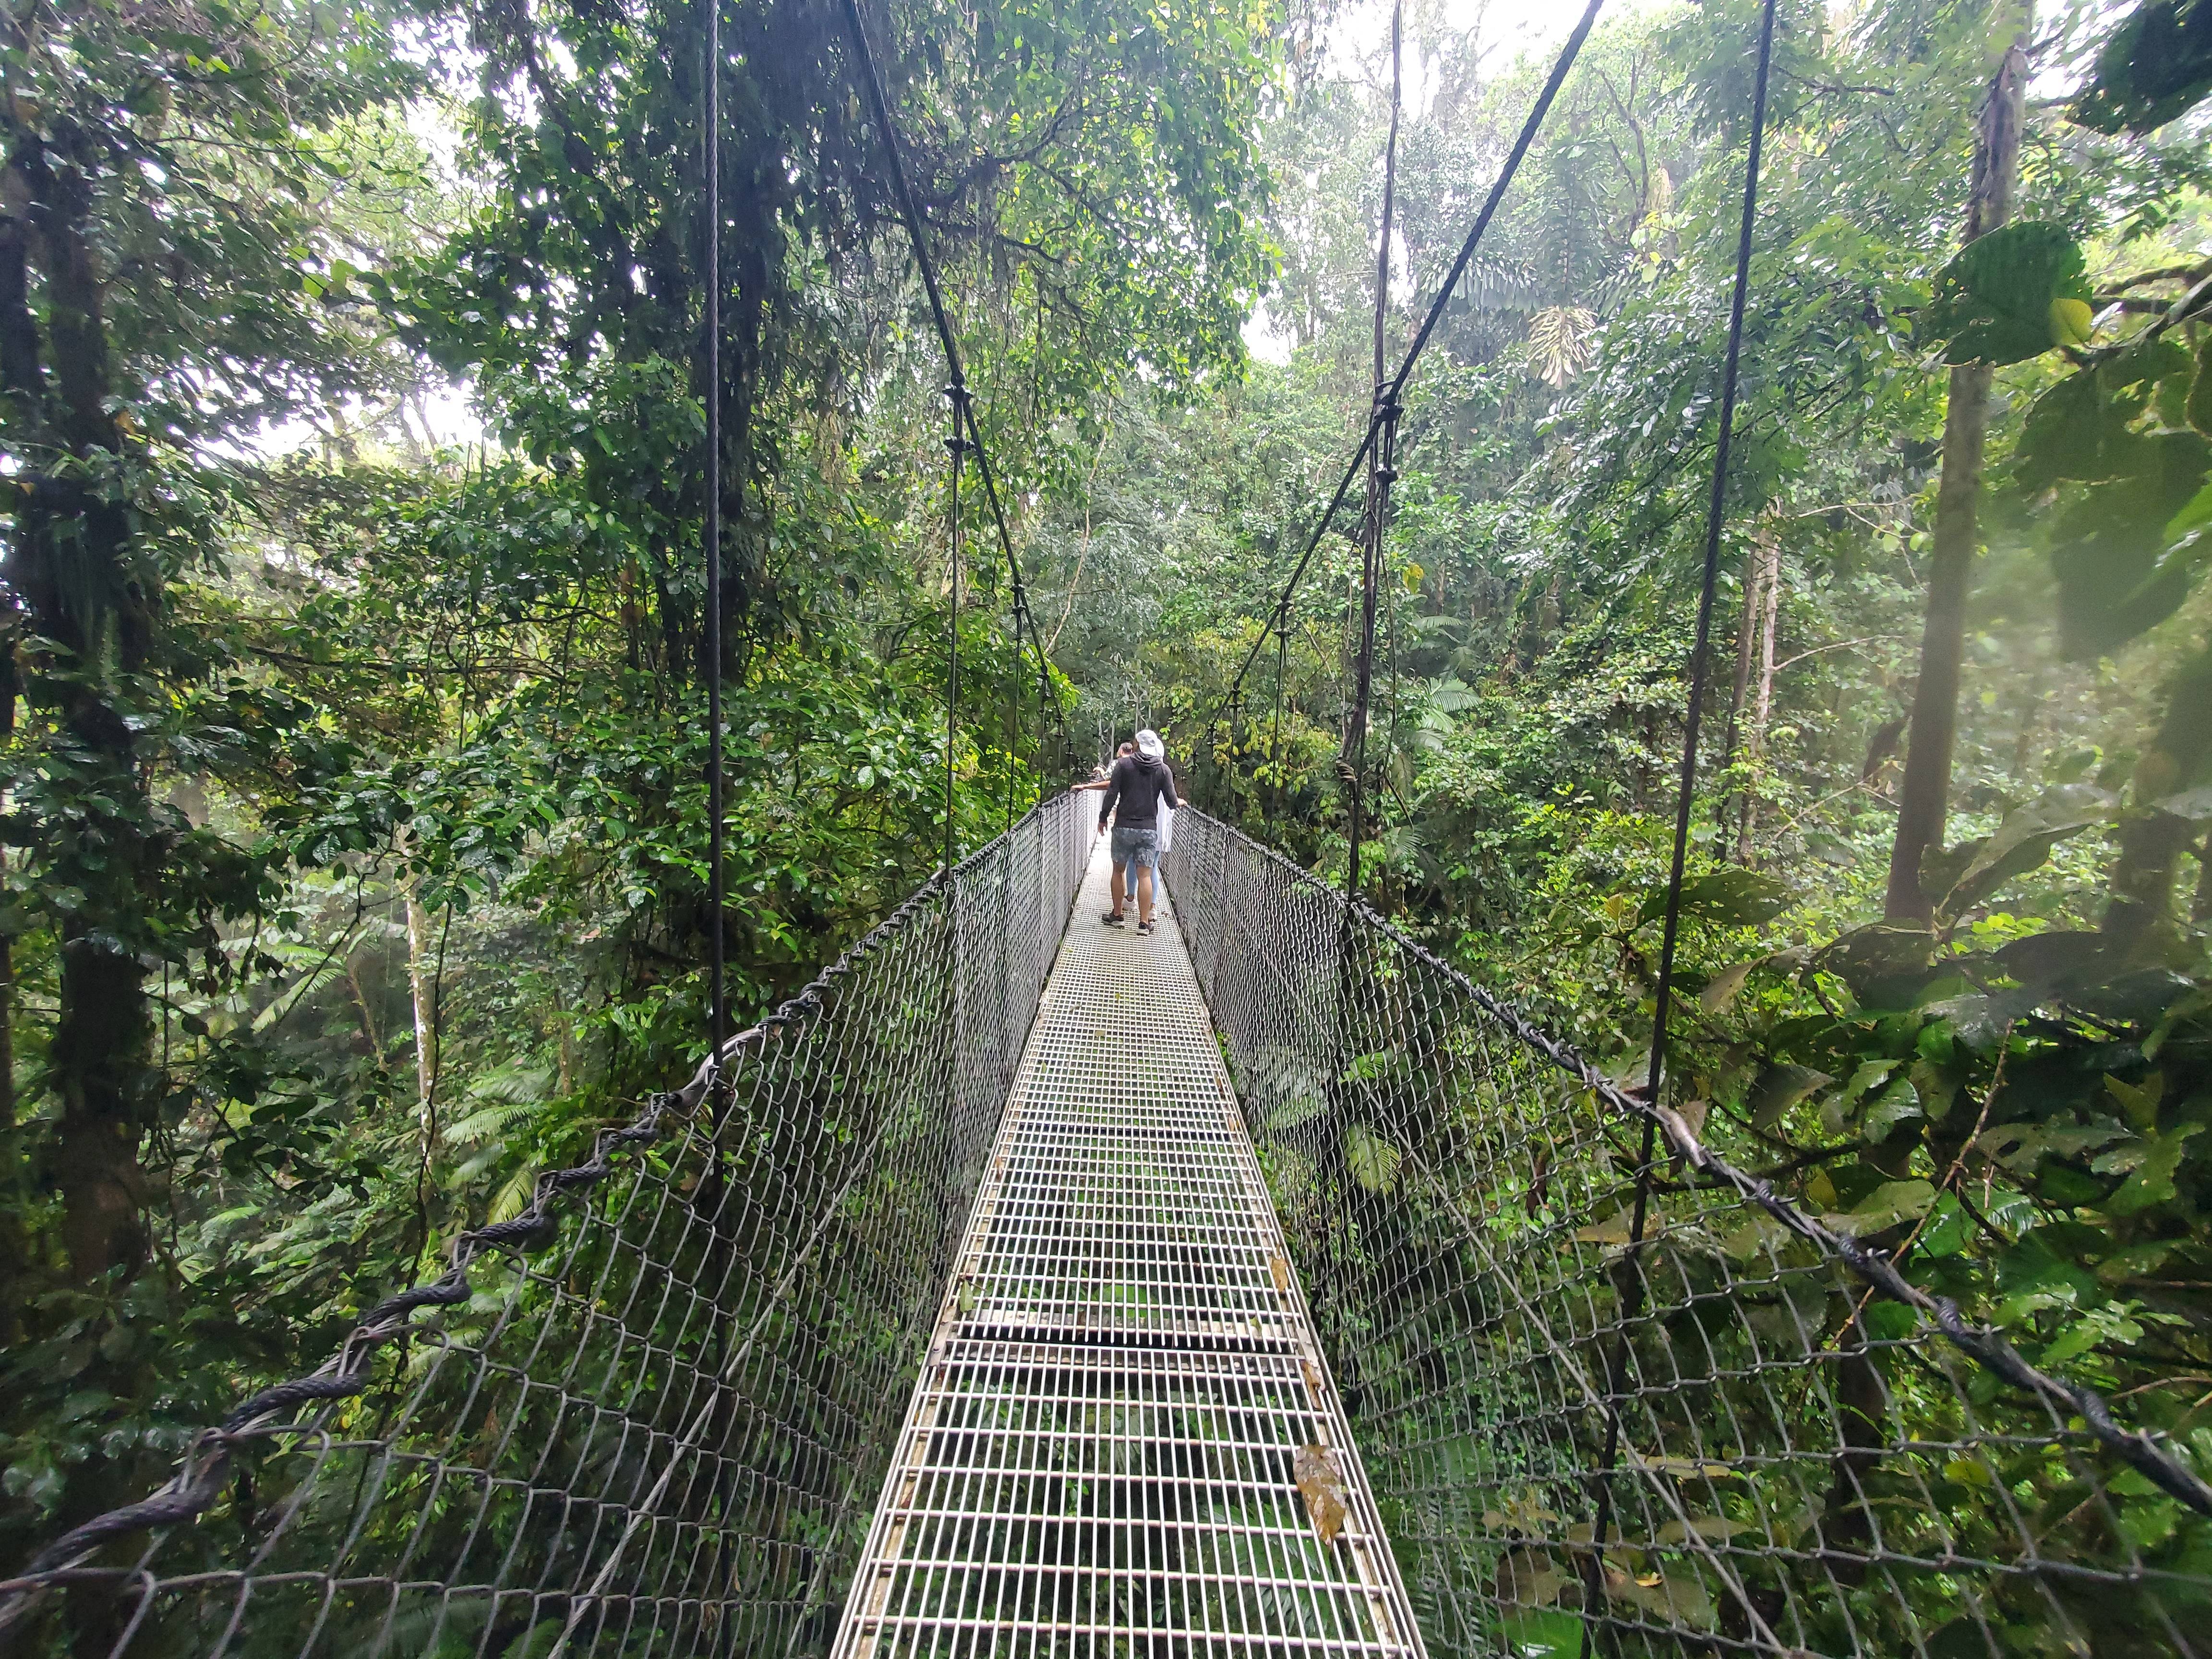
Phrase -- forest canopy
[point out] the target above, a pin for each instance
(353, 408)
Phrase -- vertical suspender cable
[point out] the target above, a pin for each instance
(955, 444)
(1630, 1276)
(1381, 449)
(717, 977)
(1046, 689)
(1529, 128)
(1275, 731)
(963, 411)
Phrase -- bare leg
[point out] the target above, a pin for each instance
(1118, 892)
(1145, 894)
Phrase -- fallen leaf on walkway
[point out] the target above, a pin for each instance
(1322, 1482)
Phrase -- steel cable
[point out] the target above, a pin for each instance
(1529, 128)
(1686, 796)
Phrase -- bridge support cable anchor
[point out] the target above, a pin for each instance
(1629, 1272)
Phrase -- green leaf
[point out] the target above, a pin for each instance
(1721, 989)
(2139, 1101)
(1373, 1161)
(2197, 410)
(1888, 1206)
(1779, 1088)
(2065, 434)
(2114, 581)
(2154, 67)
(1299, 1109)
(1994, 303)
(2025, 839)
(2152, 1180)
(1728, 898)
(2195, 515)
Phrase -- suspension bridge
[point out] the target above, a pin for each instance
(1262, 1287)
(1027, 1287)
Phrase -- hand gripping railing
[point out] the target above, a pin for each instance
(651, 1414)
(1812, 1456)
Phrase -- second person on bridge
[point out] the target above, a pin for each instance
(1139, 786)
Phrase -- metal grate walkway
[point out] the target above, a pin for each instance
(1123, 1392)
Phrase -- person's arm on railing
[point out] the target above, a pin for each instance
(1113, 794)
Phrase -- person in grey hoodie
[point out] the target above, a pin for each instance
(1139, 786)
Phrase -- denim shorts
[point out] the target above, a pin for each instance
(1139, 846)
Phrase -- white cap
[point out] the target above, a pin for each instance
(1149, 744)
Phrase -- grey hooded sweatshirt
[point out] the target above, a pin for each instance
(1139, 786)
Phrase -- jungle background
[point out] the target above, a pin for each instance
(352, 413)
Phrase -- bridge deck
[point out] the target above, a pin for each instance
(1105, 1448)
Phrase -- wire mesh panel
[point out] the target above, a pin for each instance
(1703, 1434)
(651, 1414)
(1124, 1440)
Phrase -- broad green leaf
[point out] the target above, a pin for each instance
(2114, 582)
(2138, 1100)
(2196, 410)
(1892, 1203)
(1728, 898)
(2152, 1180)
(1779, 1088)
(1994, 303)
(2025, 839)
(1721, 989)
(1299, 1109)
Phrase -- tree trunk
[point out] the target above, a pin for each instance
(1769, 546)
(1747, 640)
(2152, 842)
(1923, 797)
(71, 566)
(425, 995)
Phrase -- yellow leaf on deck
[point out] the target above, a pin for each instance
(1321, 1481)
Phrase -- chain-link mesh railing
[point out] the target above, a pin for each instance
(1734, 1429)
(651, 1414)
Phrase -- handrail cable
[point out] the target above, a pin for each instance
(887, 132)
(1280, 611)
(1686, 796)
